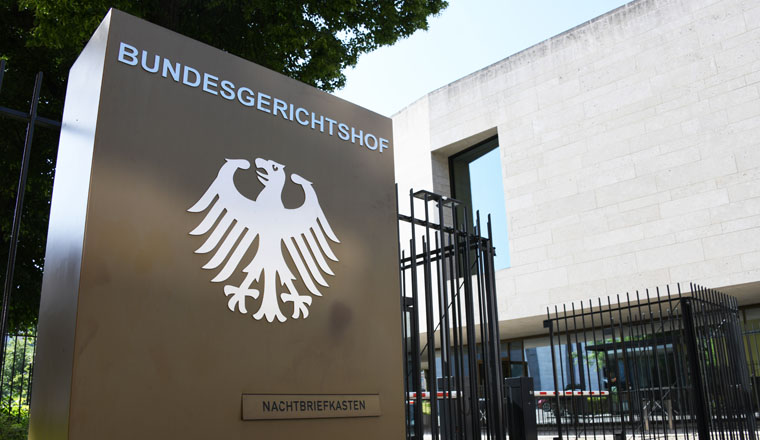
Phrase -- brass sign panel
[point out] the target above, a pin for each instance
(310, 406)
(217, 230)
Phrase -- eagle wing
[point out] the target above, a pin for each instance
(306, 238)
(227, 204)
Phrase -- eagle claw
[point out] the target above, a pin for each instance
(300, 303)
(237, 297)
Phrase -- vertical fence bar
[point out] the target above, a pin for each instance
(690, 390)
(643, 344)
(17, 212)
(656, 391)
(581, 383)
(20, 340)
(493, 320)
(571, 369)
(416, 361)
(404, 322)
(405, 344)
(21, 379)
(457, 316)
(444, 332)
(490, 351)
(560, 391)
(12, 379)
(626, 369)
(750, 342)
(596, 366)
(642, 371)
(549, 323)
(2, 73)
(668, 409)
(2, 371)
(634, 403)
(430, 345)
(618, 376)
(432, 368)
(486, 376)
(31, 371)
(626, 372)
(471, 345)
(588, 384)
(445, 399)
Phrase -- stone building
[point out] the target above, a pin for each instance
(629, 152)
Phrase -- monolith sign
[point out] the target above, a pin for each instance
(222, 254)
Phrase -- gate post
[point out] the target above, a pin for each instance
(700, 406)
(550, 325)
(738, 359)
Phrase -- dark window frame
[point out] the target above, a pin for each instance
(459, 166)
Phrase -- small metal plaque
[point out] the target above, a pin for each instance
(309, 406)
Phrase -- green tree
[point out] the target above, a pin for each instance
(312, 41)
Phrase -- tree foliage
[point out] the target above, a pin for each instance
(312, 41)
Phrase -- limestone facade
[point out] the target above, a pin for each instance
(630, 153)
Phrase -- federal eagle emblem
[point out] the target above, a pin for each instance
(303, 232)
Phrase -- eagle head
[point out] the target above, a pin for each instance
(270, 172)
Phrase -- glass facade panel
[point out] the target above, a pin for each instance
(539, 361)
(516, 351)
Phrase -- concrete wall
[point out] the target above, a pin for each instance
(630, 151)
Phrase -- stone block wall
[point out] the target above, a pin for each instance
(630, 149)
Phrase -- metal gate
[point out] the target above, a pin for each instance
(453, 370)
(651, 365)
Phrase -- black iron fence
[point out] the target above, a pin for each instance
(16, 376)
(453, 371)
(17, 350)
(32, 120)
(653, 364)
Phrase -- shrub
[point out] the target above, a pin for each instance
(14, 427)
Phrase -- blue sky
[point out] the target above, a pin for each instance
(485, 172)
(467, 36)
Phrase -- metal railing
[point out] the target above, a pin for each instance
(673, 365)
(447, 279)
